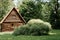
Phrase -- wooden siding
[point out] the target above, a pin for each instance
(10, 26)
(13, 17)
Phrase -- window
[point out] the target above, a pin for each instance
(12, 24)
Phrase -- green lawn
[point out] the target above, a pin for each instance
(21, 37)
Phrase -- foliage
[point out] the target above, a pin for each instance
(36, 10)
(23, 30)
(33, 28)
(55, 17)
(4, 7)
(46, 11)
(35, 21)
(44, 27)
(30, 10)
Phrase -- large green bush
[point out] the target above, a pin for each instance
(34, 27)
(39, 28)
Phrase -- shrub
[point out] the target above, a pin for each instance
(35, 21)
(44, 27)
(22, 30)
(39, 29)
(34, 27)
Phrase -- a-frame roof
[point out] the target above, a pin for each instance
(10, 12)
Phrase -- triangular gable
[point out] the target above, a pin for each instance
(10, 12)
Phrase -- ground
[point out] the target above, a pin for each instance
(54, 36)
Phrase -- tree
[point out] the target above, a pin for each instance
(31, 10)
(55, 19)
(4, 4)
(46, 11)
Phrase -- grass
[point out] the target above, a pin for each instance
(23, 37)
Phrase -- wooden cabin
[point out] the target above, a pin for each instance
(12, 20)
